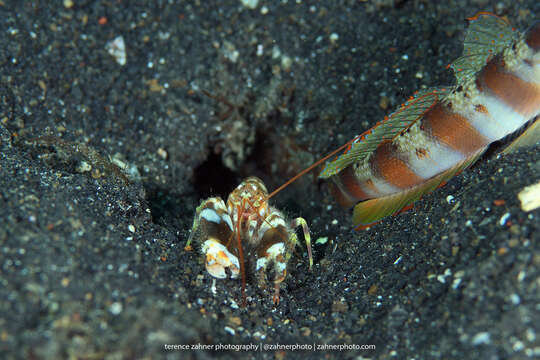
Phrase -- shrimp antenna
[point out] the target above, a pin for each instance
(309, 168)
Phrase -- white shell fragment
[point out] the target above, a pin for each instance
(530, 197)
(250, 4)
(117, 48)
(230, 330)
(504, 219)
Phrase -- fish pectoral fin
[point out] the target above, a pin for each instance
(370, 211)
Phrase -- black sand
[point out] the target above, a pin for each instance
(92, 262)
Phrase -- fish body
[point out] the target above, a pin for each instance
(441, 131)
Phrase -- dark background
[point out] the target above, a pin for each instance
(91, 258)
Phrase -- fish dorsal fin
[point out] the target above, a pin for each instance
(363, 145)
(486, 37)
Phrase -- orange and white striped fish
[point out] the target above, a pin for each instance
(441, 131)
